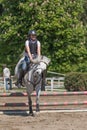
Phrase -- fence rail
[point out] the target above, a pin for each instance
(21, 94)
(52, 83)
(44, 104)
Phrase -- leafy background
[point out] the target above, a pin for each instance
(61, 27)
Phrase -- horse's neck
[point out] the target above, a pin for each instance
(41, 65)
(33, 66)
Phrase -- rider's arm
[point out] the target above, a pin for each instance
(28, 50)
(38, 48)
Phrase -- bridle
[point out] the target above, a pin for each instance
(36, 73)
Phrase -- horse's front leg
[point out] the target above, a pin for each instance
(38, 90)
(30, 106)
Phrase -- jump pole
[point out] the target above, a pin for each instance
(46, 111)
(19, 94)
(43, 104)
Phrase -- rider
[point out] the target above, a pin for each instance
(32, 50)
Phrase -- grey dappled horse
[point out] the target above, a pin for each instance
(33, 79)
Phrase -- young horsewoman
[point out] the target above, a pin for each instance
(32, 50)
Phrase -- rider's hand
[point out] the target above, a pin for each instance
(31, 59)
(39, 58)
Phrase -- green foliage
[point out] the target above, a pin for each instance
(1, 9)
(84, 20)
(84, 14)
(76, 81)
(59, 27)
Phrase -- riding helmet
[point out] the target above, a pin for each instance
(32, 32)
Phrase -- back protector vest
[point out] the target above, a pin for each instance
(33, 47)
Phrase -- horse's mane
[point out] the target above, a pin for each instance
(41, 59)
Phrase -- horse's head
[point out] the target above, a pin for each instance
(42, 63)
(45, 60)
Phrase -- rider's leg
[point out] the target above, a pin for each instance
(18, 74)
(23, 71)
(19, 80)
(25, 66)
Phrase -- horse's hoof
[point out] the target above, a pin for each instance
(37, 110)
(31, 114)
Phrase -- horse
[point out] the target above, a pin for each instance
(33, 79)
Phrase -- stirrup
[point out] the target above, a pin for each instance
(18, 84)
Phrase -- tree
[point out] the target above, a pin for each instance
(84, 19)
(59, 29)
(1, 9)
